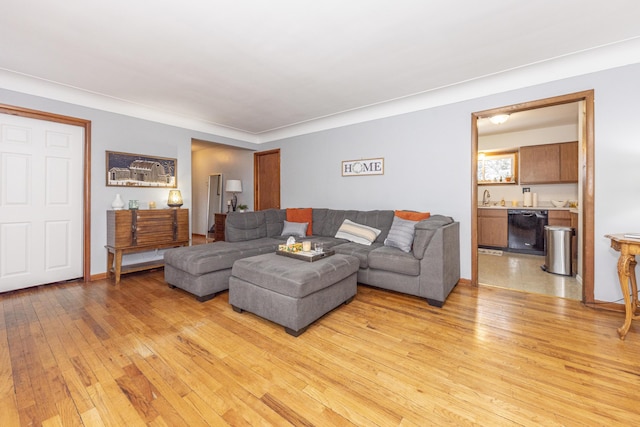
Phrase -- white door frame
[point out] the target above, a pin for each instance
(86, 125)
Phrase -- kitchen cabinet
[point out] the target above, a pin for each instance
(549, 163)
(560, 218)
(569, 162)
(493, 227)
(574, 242)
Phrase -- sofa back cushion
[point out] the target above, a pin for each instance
(319, 217)
(333, 219)
(380, 219)
(301, 215)
(242, 226)
(275, 221)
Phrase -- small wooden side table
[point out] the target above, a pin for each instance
(220, 220)
(628, 249)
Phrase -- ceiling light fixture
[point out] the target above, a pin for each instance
(499, 119)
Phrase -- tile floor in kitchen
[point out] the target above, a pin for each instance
(523, 272)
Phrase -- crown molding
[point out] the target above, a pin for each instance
(23, 83)
(580, 63)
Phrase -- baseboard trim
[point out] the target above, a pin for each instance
(100, 276)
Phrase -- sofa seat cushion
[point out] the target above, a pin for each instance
(202, 259)
(394, 260)
(357, 250)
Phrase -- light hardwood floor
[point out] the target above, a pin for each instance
(142, 354)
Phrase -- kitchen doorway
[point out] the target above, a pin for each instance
(518, 269)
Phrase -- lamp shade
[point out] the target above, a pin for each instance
(234, 186)
(175, 199)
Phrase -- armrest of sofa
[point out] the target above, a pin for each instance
(424, 232)
(440, 264)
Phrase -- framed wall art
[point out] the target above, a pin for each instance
(363, 167)
(137, 170)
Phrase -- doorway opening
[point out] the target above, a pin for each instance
(585, 189)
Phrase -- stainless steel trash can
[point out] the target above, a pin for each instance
(558, 245)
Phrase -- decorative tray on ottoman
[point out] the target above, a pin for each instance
(310, 256)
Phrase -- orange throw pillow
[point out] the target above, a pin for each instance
(412, 215)
(301, 215)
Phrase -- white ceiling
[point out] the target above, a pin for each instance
(259, 66)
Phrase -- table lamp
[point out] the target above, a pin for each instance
(175, 199)
(234, 186)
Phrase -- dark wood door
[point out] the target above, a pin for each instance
(266, 172)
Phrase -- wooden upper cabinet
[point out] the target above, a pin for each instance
(539, 163)
(569, 162)
(549, 163)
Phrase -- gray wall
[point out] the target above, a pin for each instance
(114, 132)
(232, 163)
(427, 161)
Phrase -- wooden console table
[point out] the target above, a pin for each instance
(628, 249)
(141, 230)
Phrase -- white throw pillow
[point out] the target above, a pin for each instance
(294, 229)
(357, 233)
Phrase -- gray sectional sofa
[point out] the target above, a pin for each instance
(429, 270)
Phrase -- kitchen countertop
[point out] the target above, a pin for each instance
(537, 208)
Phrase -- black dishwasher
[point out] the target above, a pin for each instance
(526, 230)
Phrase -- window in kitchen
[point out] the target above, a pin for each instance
(497, 167)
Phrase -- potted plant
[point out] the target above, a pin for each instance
(242, 208)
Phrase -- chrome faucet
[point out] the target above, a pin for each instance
(485, 197)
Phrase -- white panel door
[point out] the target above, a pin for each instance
(41, 205)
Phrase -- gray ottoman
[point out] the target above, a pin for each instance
(291, 292)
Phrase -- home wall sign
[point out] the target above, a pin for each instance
(363, 167)
(135, 170)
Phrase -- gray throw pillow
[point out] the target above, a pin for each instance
(298, 229)
(401, 234)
